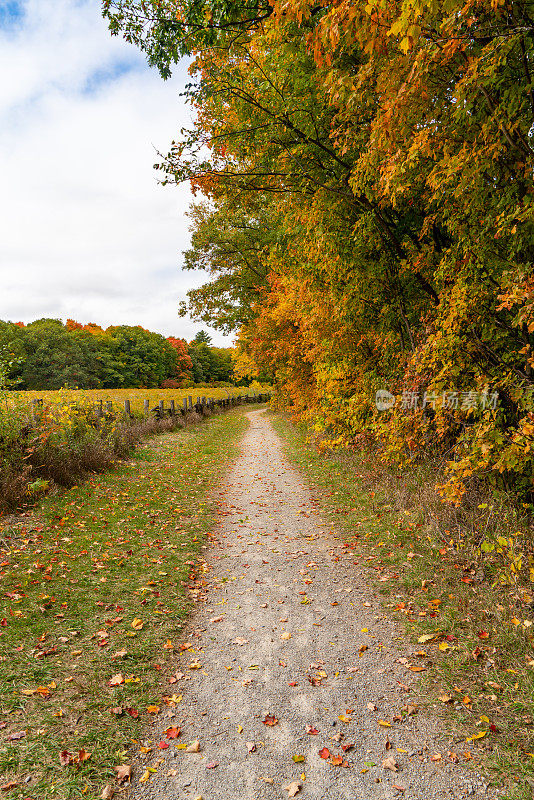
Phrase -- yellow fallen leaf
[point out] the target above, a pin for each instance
(145, 776)
(285, 635)
(240, 729)
(153, 709)
(479, 735)
(515, 621)
(443, 646)
(427, 637)
(384, 724)
(344, 718)
(137, 624)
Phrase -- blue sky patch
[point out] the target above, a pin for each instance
(11, 14)
(103, 76)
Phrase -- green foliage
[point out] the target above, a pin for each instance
(368, 215)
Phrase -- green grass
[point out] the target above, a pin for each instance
(431, 584)
(77, 571)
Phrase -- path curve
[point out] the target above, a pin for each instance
(290, 630)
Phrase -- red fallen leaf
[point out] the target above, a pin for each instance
(163, 745)
(173, 732)
(83, 755)
(270, 720)
(3, 622)
(398, 788)
(133, 712)
(212, 765)
(292, 683)
(483, 635)
(11, 785)
(324, 753)
(493, 728)
(450, 638)
(337, 761)
(66, 758)
(347, 747)
(477, 653)
(467, 580)
(311, 730)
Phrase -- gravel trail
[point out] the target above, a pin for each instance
(288, 630)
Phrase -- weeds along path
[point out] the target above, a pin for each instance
(289, 676)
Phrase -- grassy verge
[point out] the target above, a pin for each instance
(473, 637)
(95, 584)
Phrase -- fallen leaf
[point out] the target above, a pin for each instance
(311, 730)
(390, 763)
(152, 709)
(479, 735)
(137, 624)
(270, 720)
(14, 737)
(116, 680)
(239, 640)
(337, 761)
(124, 773)
(217, 619)
(445, 698)
(194, 747)
(173, 732)
(285, 635)
(107, 792)
(66, 758)
(83, 755)
(298, 759)
(293, 788)
(145, 776)
(384, 724)
(344, 718)
(324, 753)
(10, 785)
(251, 747)
(372, 707)
(212, 764)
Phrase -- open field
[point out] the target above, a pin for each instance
(136, 396)
(95, 584)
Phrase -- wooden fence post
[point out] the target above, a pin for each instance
(171, 404)
(161, 407)
(127, 409)
(109, 407)
(146, 407)
(190, 402)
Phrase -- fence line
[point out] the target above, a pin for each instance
(201, 406)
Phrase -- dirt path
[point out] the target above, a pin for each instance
(290, 630)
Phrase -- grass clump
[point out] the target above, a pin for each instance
(96, 581)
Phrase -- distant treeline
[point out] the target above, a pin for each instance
(46, 354)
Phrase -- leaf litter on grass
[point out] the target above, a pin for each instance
(97, 574)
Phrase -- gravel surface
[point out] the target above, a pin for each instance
(288, 629)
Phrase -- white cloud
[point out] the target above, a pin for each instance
(85, 230)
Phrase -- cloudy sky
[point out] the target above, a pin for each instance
(85, 230)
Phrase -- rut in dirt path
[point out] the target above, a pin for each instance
(290, 632)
